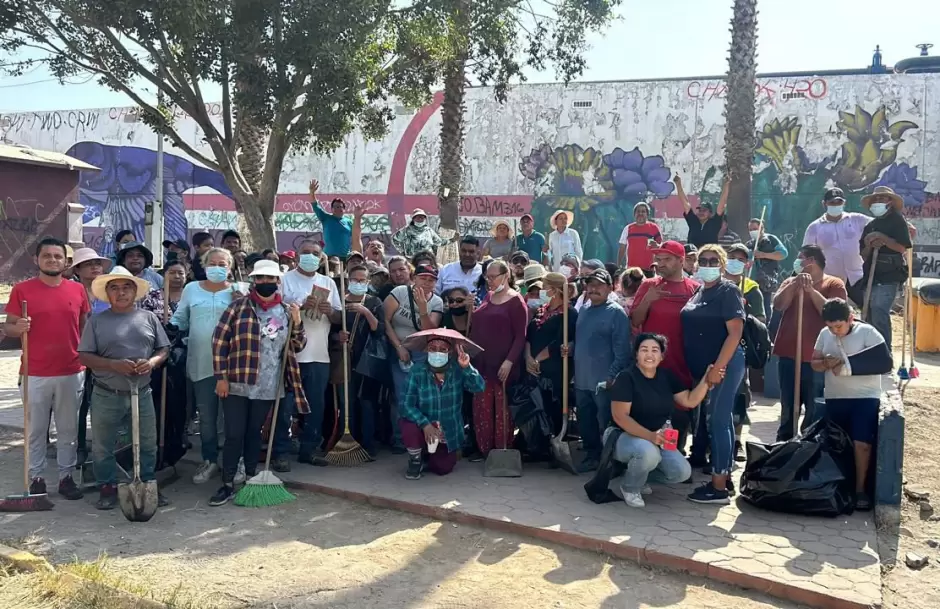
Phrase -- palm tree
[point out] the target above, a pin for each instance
(452, 111)
(740, 117)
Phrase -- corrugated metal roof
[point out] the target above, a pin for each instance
(44, 158)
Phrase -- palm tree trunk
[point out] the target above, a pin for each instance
(740, 115)
(452, 117)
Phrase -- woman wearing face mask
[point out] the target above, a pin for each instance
(418, 235)
(499, 328)
(457, 311)
(248, 347)
(543, 344)
(198, 313)
(712, 325)
(365, 320)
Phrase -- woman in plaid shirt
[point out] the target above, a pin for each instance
(431, 407)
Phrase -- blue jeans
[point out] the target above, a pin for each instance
(719, 415)
(314, 376)
(647, 462)
(879, 308)
(811, 387)
(109, 414)
(400, 381)
(362, 415)
(593, 416)
(207, 403)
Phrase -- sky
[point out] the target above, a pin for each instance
(656, 39)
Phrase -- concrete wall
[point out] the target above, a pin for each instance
(596, 149)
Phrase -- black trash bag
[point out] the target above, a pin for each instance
(528, 414)
(811, 475)
(598, 487)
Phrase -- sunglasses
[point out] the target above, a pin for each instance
(709, 261)
(456, 301)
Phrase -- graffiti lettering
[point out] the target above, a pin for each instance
(14, 123)
(484, 206)
(926, 265)
(19, 225)
(815, 88)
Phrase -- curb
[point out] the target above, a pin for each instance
(21, 560)
(643, 556)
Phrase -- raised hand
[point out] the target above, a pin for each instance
(314, 187)
(463, 360)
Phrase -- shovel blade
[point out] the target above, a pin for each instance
(562, 454)
(138, 500)
(503, 463)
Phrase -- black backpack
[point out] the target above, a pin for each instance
(756, 342)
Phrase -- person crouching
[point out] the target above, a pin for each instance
(248, 348)
(430, 411)
(121, 346)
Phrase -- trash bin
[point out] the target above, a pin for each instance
(926, 312)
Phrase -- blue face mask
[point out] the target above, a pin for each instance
(217, 274)
(735, 267)
(358, 289)
(309, 263)
(437, 359)
(878, 209)
(798, 266)
(708, 274)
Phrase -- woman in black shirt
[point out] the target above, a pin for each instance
(642, 400)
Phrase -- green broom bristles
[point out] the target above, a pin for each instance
(263, 490)
(347, 452)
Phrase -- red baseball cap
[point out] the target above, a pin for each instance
(290, 254)
(673, 248)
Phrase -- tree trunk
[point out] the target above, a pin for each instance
(257, 230)
(740, 115)
(452, 131)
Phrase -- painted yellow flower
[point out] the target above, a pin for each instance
(570, 177)
(778, 140)
(872, 146)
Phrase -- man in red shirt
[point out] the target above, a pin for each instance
(635, 246)
(670, 290)
(54, 319)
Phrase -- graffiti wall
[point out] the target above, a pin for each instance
(596, 149)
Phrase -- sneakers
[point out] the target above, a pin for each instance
(646, 490)
(222, 496)
(634, 500)
(739, 452)
(206, 472)
(709, 494)
(69, 490)
(37, 487)
(107, 497)
(415, 466)
(240, 476)
(280, 465)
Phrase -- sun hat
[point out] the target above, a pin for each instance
(499, 223)
(533, 272)
(418, 212)
(556, 281)
(883, 191)
(567, 214)
(69, 252)
(84, 254)
(99, 287)
(266, 268)
(134, 245)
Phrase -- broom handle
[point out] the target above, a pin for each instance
(871, 280)
(797, 374)
(342, 295)
(166, 321)
(24, 341)
(564, 360)
(909, 322)
(907, 313)
(760, 235)
(280, 387)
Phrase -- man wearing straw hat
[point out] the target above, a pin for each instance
(121, 346)
(563, 241)
(886, 236)
(52, 312)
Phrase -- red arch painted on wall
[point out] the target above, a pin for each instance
(396, 181)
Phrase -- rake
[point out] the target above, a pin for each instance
(346, 452)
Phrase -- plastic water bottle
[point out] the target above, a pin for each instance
(432, 447)
(405, 366)
(671, 435)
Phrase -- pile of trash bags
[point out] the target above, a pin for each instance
(811, 475)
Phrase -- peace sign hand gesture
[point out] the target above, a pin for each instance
(462, 358)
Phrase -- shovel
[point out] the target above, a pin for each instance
(561, 450)
(138, 499)
(502, 462)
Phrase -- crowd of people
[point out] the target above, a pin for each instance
(464, 357)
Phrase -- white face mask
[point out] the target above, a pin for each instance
(566, 271)
(835, 210)
(878, 209)
(420, 223)
(754, 234)
(735, 267)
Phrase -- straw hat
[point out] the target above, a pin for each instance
(533, 272)
(84, 254)
(99, 287)
(499, 223)
(554, 280)
(568, 214)
(268, 268)
(883, 191)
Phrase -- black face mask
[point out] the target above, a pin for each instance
(265, 290)
(458, 311)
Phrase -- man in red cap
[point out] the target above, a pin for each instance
(671, 290)
(288, 259)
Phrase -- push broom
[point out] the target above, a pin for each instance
(266, 489)
(913, 372)
(346, 451)
(26, 502)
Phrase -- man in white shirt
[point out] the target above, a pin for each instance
(563, 240)
(837, 233)
(464, 272)
(321, 306)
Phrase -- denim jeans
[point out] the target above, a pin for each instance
(362, 415)
(593, 417)
(879, 308)
(109, 413)
(207, 403)
(719, 419)
(811, 387)
(647, 462)
(314, 376)
(400, 381)
(244, 419)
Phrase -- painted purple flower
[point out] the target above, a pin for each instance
(902, 179)
(535, 164)
(635, 175)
